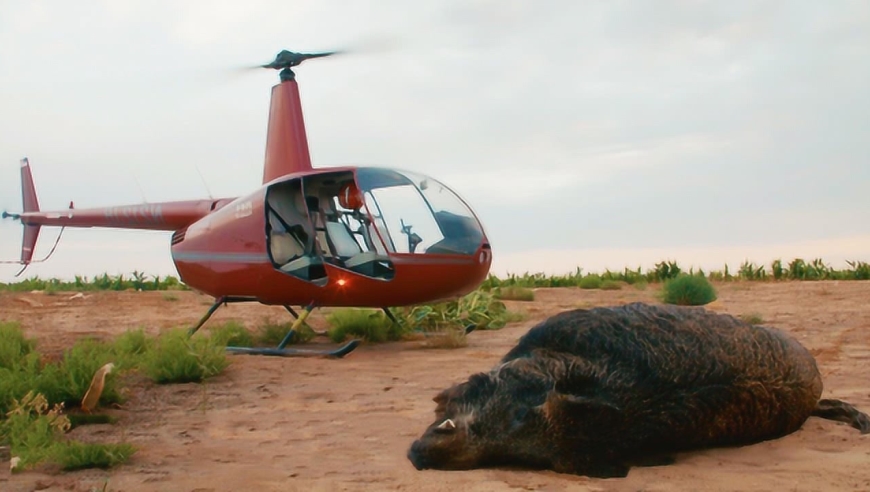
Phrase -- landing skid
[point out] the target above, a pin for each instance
(297, 352)
(281, 349)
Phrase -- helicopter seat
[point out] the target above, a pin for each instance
(369, 263)
(284, 246)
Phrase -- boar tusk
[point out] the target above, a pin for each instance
(447, 424)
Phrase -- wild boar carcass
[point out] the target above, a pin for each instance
(594, 392)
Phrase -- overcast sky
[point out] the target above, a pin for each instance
(592, 134)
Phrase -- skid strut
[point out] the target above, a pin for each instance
(214, 307)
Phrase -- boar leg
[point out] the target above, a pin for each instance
(843, 412)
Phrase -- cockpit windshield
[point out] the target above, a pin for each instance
(329, 219)
(417, 214)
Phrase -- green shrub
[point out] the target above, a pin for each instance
(179, 358)
(688, 290)
(611, 285)
(35, 434)
(369, 324)
(860, 270)
(232, 333)
(31, 429)
(590, 281)
(480, 308)
(13, 345)
(67, 380)
(751, 318)
(514, 293)
(130, 348)
(270, 334)
(75, 455)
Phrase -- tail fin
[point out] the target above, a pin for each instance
(30, 204)
(843, 412)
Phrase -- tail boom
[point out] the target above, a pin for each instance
(164, 216)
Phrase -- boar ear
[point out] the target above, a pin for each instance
(563, 405)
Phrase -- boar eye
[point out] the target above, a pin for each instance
(446, 426)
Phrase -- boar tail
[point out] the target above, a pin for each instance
(843, 412)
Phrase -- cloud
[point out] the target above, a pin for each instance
(572, 124)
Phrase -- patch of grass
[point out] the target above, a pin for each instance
(178, 358)
(169, 296)
(270, 334)
(232, 333)
(13, 345)
(135, 281)
(514, 293)
(369, 324)
(480, 308)
(450, 339)
(130, 347)
(590, 281)
(688, 290)
(31, 428)
(751, 318)
(78, 419)
(75, 455)
(35, 430)
(67, 380)
(611, 285)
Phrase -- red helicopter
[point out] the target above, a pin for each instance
(335, 236)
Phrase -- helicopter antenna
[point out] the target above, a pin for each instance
(203, 182)
(139, 185)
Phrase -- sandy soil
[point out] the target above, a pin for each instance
(346, 424)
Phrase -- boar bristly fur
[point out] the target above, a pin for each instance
(594, 392)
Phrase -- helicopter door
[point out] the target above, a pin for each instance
(290, 235)
(319, 220)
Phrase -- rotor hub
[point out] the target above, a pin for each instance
(287, 59)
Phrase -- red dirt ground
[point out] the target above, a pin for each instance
(312, 424)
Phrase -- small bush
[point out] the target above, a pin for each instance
(688, 290)
(75, 455)
(590, 282)
(514, 293)
(15, 382)
(480, 308)
(368, 324)
(179, 358)
(13, 345)
(35, 434)
(130, 348)
(451, 338)
(611, 285)
(32, 428)
(233, 334)
(271, 334)
(67, 380)
(752, 318)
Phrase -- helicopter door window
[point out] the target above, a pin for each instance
(377, 229)
(290, 238)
